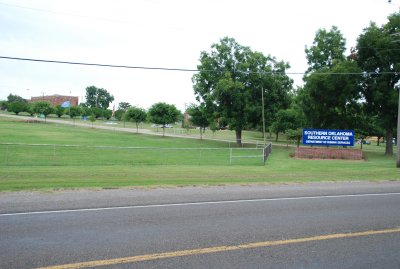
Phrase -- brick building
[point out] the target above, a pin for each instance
(56, 99)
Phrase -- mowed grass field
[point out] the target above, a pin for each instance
(39, 156)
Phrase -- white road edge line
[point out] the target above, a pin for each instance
(199, 203)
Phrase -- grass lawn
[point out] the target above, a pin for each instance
(108, 159)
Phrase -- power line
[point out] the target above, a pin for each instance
(100, 65)
(183, 69)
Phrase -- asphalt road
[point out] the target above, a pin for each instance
(320, 225)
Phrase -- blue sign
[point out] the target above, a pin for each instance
(66, 104)
(328, 137)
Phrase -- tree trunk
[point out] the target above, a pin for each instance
(377, 142)
(238, 137)
(137, 127)
(389, 142)
(276, 137)
(201, 133)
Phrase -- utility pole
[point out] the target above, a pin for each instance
(398, 133)
(263, 113)
(262, 109)
(397, 35)
(398, 130)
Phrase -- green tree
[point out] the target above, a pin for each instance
(16, 107)
(92, 119)
(98, 97)
(3, 105)
(119, 114)
(231, 81)
(74, 111)
(107, 113)
(43, 108)
(368, 126)
(330, 98)
(15, 104)
(294, 135)
(59, 111)
(84, 110)
(15, 98)
(123, 106)
(328, 47)
(96, 111)
(136, 115)
(198, 117)
(378, 56)
(163, 114)
(287, 119)
(29, 109)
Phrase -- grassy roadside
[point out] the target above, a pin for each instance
(110, 170)
(49, 177)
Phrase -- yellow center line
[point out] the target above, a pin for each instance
(198, 251)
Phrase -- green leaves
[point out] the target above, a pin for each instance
(74, 111)
(163, 113)
(16, 107)
(328, 47)
(136, 115)
(198, 115)
(231, 80)
(378, 55)
(331, 94)
(98, 97)
(42, 107)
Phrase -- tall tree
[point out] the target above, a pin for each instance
(231, 81)
(119, 114)
(163, 113)
(328, 47)
(329, 98)
(378, 55)
(123, 106)
(98, 97)
(136, 115)
(15, 98)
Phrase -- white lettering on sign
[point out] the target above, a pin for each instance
(328, 137)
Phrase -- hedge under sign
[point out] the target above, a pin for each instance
(328, 137)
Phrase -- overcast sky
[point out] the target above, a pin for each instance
(158, 33)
